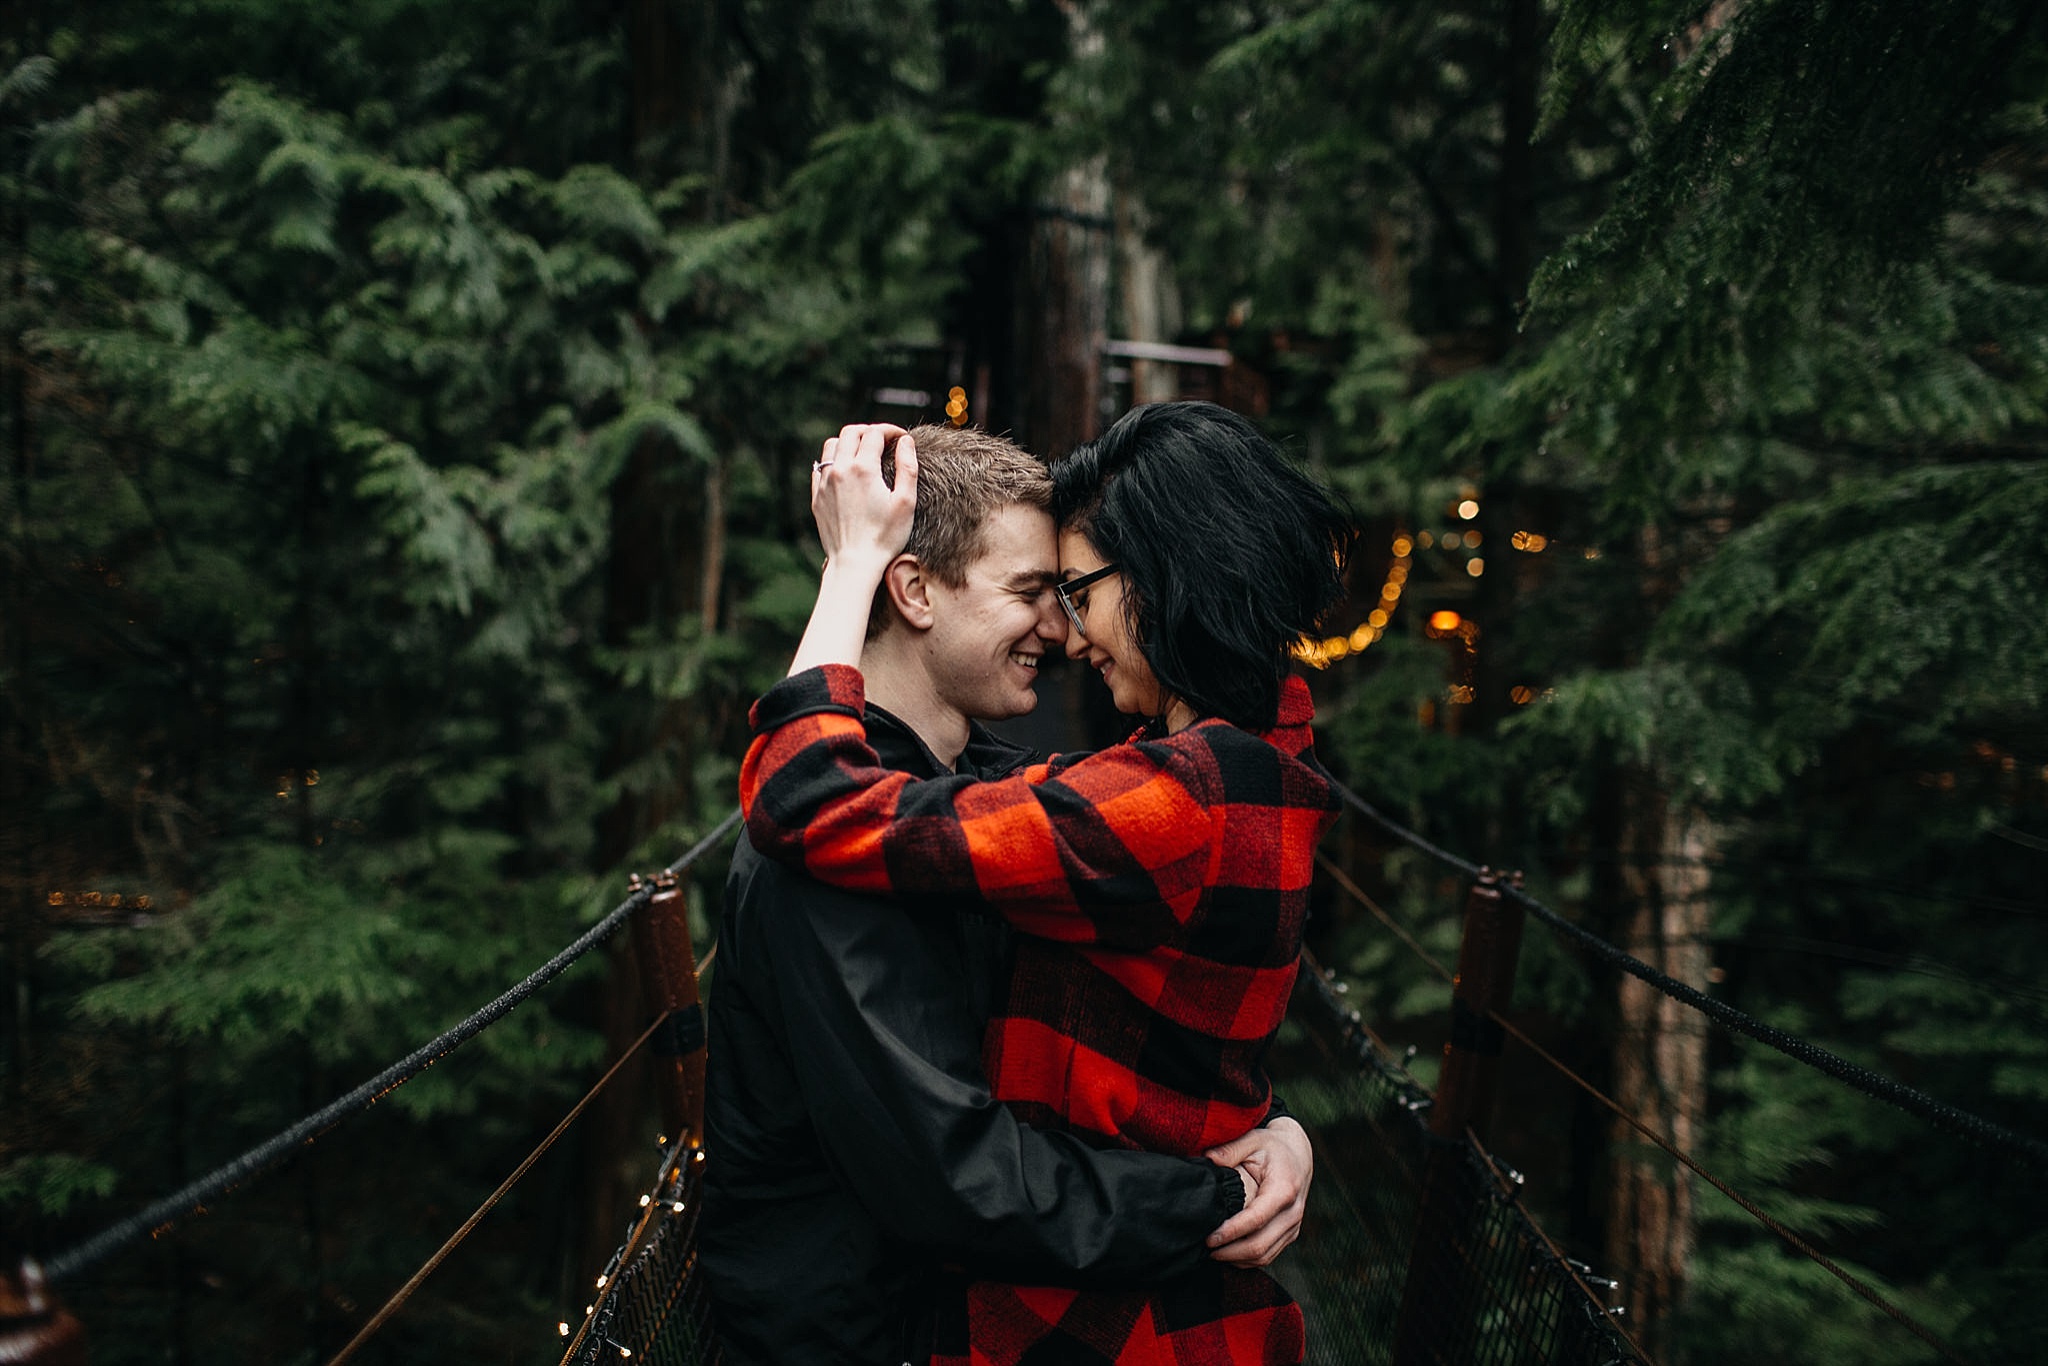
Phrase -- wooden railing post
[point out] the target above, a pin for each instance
(668, 976)
(34, 1329)
(1487, 953)
(1438, 1300)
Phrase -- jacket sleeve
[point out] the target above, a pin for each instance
(1115, 848)
(889, 1067)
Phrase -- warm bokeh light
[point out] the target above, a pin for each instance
(1468, 509)
(1444, 621)
(1475, 566)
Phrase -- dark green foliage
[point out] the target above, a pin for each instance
(405, 407)
(369, 601)
(1769, 381)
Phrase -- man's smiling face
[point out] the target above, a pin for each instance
(990, 634)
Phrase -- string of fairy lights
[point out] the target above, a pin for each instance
(1442, 624)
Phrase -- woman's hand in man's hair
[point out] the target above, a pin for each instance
(1278, 1165)
(859, 512)
(863, 523)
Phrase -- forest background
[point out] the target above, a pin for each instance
(405, 406)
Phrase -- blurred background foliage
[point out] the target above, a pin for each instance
(405, 405)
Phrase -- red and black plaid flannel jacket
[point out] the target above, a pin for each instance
(1160, 888)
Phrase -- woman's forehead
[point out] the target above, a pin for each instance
(1077, 554)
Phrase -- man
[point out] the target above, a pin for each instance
(855, 1147)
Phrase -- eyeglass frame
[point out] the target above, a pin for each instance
(1064, 587)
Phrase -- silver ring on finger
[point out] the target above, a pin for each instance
(817, 465)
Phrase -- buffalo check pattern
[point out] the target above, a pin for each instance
(1159, 887)
(1216, 1316)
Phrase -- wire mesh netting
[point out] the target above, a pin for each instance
(653, 1306)
(1415, 1250)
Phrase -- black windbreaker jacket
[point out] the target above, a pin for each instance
(853, 1144)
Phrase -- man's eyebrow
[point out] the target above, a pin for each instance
(1032, 579)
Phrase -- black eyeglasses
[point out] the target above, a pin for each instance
(1066, 591)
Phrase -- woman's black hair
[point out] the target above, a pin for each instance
(1229, 554)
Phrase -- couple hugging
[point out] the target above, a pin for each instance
(985, 1082)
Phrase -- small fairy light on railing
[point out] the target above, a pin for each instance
(1530, 542)
(105, 900)
(562, 1328)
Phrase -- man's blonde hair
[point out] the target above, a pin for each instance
(964, 477)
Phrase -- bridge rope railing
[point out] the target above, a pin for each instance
(1983, 1130)
(427, 1268)
(1417, 1249)
(1860, 1078)
(159, 1216)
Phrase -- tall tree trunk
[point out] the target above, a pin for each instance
(1660, 1046)
(1072, 248)
(1070, 261)
(1660, 1064)
(666, 559)
(1514, 192)
(1149, 304)
(21, 908)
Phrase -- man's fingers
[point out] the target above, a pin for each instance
(1261, 1207)
(1262, 1249)
(1234, 1153)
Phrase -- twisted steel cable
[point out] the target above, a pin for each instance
(160, 1215)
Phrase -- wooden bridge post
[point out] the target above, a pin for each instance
(668, 976)
(1439, 1301)
(34, 1329)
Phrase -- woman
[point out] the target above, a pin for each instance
(1160, 884)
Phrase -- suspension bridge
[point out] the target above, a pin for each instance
(1418, 1248)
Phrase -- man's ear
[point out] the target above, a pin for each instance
(909, 590)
